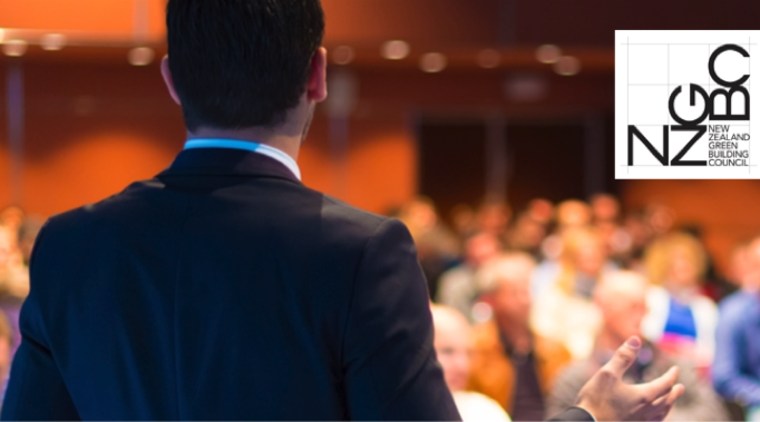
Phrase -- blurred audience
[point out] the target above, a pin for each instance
(437, 247)
(573, 213)
(15, 239)
(512, 364)
(530, 229)
(493, 217)
(621, 298)
(12, 217)
(453, 345)
(27, 235)
(457, 287)
(6, 348)
(736, 370)
(564, 309)
(681, 319)
(606, 217)
(463, 220)
(14, 277)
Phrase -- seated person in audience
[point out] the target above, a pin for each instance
(564, 311)
(14, 280)
(6, 353)
(605, 209)
(510, 363)
(569, 215)
(457, 287)
(680, 319)
(493, 217)
(453, 345)
(438, 248)
(14, 276)
(736, 369)
(6, 348)
(621, 297)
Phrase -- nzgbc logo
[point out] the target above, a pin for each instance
(684, 103)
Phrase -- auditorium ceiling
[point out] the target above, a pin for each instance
(500, 34)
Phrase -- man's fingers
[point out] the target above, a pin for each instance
(661, 407)
(624, 357)
(675, 393)
(661, 387)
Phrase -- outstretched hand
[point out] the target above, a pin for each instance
(608, 398)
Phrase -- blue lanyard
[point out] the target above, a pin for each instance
(256, 147)
(222, 143)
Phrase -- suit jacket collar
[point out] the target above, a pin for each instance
(227, 162)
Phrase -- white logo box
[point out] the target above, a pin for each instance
(649, 67)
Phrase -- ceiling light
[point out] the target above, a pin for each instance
(395, 50)
(489, 58)
(548, 53)
(567, 66)
(433, 62)
(141, 56)
(52, 42)
(343, 55)
(15, 48)
(2, 34)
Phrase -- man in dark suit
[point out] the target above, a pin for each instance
(223, 288)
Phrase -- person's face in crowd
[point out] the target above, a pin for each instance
(623, 305)
(512, 300)
(12, 217)
(453, 345)
(422, 215)
(660, 218)
(6, 247)
(5, 357)
(590, 255)
(683, 272)
(541, 210)
(529, 233)
(573, 214)
(480, 248)
(494, 218)
(605, 208)
(463, 219)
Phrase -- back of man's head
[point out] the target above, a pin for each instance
(241, 63)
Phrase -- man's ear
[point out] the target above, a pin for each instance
(167, 75)
(316, 87)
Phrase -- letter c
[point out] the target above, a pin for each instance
(714, 56)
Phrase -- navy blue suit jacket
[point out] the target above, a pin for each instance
(225, 289)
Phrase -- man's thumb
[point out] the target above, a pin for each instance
(624, 357)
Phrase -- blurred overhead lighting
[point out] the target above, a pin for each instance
(141, 56)
(489, 58)
(2, 34)
(548, 54)
(52, 42)
(395, 50)
(433, 62)
(15, 48)
(567, 66)
(343, 55)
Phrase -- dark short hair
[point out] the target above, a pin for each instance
(241, 63)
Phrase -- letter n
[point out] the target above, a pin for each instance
(663, 158)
